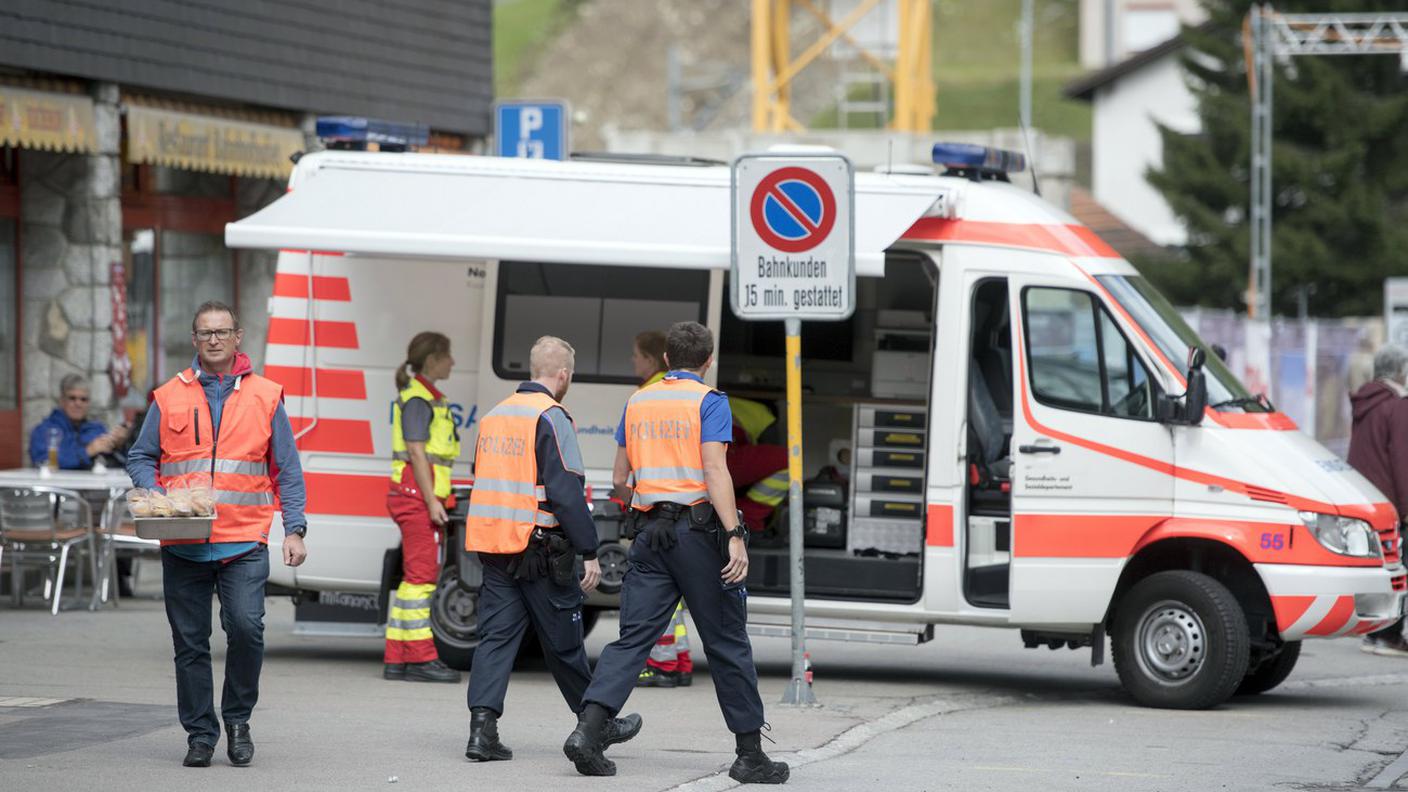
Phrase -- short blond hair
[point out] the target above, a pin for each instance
(550, 355)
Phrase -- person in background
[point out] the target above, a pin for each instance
(78, 440)
(669, 664)
(219, 423)
(1378, 448)
(424, 445)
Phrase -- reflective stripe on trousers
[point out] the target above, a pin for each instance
(408, 618)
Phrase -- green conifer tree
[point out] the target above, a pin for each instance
(1339, 172)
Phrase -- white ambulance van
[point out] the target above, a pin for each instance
(1026, 433)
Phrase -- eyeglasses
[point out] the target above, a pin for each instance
(223, 334)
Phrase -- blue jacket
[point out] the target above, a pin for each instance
(144, 458)
(73, 440)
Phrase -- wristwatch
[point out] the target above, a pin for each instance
(739, 531)
(301, 531)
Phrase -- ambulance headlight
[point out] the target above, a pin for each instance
(1342, 535)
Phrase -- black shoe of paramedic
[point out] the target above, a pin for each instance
(238, 746)
(393, 671)
(484, 745)
(619, 730)
(434, 671)
(586, 743)
(752, 765)
(654, 677)
(198, 755)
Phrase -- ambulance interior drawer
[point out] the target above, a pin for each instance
(889, 418)
(893, 438)
(875, 458)
(892, 507)
(903, 482)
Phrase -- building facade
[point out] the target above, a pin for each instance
(132, 133)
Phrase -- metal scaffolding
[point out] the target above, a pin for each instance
(1266, 36)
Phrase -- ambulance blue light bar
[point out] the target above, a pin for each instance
(971, 157)
(357, 132)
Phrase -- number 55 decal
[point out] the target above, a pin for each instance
(1273, 541)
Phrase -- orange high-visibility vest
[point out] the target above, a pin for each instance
(663, 442)
(236, 463)
(507, 500)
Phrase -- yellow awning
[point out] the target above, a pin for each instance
(44, 120)
(210, 143)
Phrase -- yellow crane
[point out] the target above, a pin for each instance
(911, 75)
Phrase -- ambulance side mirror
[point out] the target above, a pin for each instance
(1195, 399)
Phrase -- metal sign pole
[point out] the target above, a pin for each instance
(799, 690)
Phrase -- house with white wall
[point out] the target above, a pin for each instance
(1131, 99)
(1112, 30)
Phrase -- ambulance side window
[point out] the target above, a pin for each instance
(1079, 359)
(597, 309)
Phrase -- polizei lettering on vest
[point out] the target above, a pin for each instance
(502, 446)
(660, 430)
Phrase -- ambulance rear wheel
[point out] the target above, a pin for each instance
(454, 620)
(1272, 670)
(1180, 641)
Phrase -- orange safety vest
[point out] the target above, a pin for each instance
(235, 464)
(663, 442)
(507, 500)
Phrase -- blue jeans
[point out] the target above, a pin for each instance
(188, 586)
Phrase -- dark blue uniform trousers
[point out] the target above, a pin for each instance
(188, 586)
(506, 608)
(654, 583)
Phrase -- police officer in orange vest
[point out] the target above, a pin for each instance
(528, 521)
(221, 424)
(691, 542)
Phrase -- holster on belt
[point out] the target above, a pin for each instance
(562, 562)
(535, 561)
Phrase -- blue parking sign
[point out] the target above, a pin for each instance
(532, 129)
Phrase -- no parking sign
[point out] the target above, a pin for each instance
(793, 237)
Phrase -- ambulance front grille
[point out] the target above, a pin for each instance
(1392, 544)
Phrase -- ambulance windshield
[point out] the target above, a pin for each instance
(1173, 337)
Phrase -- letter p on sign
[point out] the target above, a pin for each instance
(531, 129)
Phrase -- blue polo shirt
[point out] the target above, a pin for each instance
(715, 417)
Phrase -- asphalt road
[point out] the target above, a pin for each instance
(87, 701)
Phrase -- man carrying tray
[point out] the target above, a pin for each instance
(219, 422)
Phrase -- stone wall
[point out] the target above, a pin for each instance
(71, 232)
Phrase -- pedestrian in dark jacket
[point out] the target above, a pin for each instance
(1378, 448)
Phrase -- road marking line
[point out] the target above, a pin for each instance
(845, 742)
(1372, 680)
(1386, 777)
(28, 701)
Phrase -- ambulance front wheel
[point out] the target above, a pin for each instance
(1180, 641)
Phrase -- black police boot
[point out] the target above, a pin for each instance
(434, 671)
(655, 677)
(752, 765)
(619, 730)
(238, 746)
(198, 755)
(586, 743)
(393, 671)
(484, 745)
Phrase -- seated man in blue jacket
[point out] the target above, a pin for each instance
(79, 441)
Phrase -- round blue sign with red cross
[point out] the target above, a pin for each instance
(793, 210)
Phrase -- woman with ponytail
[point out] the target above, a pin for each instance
(424, 445)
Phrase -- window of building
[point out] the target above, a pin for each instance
(599, 310)
(1079, 358)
